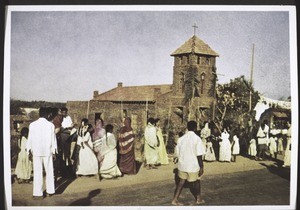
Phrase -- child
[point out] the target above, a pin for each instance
(235, 147)
(252, 148)
(280, 144)
(210, 154)
(24, 165)
(273, 146)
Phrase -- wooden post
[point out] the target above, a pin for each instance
(168, 126)
(87, 110)
(251, 78)
(146, 110)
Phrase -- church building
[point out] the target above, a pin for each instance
(192, 95)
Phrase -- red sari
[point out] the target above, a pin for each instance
(126, 149)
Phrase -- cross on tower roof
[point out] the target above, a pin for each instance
(195, 26)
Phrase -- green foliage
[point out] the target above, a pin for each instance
(15, 105)
(233, 101)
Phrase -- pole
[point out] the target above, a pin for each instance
(146, 110)
(251, 79)
(87, 110)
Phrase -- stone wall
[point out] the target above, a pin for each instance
(77, 110)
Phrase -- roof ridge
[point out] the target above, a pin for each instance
(195, 45)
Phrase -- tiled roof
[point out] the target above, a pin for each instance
(196, 44)
(134, 93)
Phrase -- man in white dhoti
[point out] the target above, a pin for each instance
(151, 145)
(262, 140)
(42, 144)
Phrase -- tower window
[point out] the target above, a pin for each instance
(202, 82)
(198, 59)
(180, 60)
(181, 82)
(207, 61)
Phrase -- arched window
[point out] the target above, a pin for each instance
(202, 83)
(181, 82)
(198, 59)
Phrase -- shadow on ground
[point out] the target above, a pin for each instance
(62, 184)
(138, 166)
(87, 200)
(278, 170)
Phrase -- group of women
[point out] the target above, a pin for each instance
(97, 150)
(226, 150)
(226, 146)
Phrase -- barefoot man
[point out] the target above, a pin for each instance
(189, 151)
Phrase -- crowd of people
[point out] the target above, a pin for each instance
(86, 150)
(264, 144)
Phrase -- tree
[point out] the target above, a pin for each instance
(15, 105)
(233, 102)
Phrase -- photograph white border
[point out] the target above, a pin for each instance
(294, 89)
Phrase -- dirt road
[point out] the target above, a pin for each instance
(246, 182)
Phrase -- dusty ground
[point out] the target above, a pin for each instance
(246, 182)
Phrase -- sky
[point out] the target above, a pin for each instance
(62, 56)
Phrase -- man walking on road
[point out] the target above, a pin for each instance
(42, 144)
(189, 151)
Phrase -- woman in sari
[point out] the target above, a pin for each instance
(162, 152)
(205, 134)
(225, 147)
(87, 161)
(126, 148)
(151, 145)
(109, 168)
(99, 133)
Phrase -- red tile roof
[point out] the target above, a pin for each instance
(196, 44)
(134, 93)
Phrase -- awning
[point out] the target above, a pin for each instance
(280, 114)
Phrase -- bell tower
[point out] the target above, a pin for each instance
(194, 78)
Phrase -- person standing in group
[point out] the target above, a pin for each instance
(66, 127)
(42, 144)
(235, 147)
(273, 142)
(126, 148)
(205, 133)
(97, 136)
(262, 140)
(210, 153)
(189, 151)
(252, 149)
(87, 162)
(287, 153)
(162, 152)
(109, 168)
(56, 118)
(225, 147)
(24, 165)
(151, 144)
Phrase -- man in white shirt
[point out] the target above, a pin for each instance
(262, 140)
(42, 144)
(67, 121)
(189, 151)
